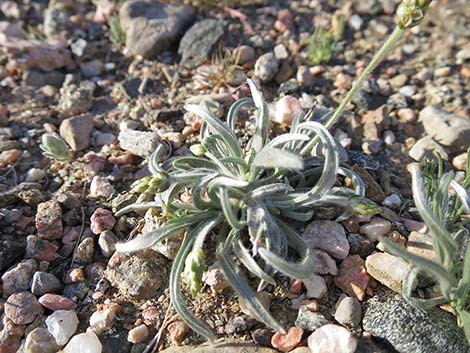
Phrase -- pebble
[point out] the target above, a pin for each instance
(442, 71)
(10, 335)
(355, 22)
(323, 264)
(360, 245)
(102, 220)
(104, 138)
(406, 115)
(352, 277)
(280, 52)
(175, 138)
(140, 275)
(244, 55)
(76, 131)
(426, 147)
(152, 27)
(44, 282)
(285, 110)
(22, 308)
(138, 334)
(92, 68)
(107, 242)
(102, 320)
(262, 336)
(199, 41)
(17, 279)
(9, 157)
(40, 341)
(388, 269)
(85, 251)
(40, 249)
(75, 100)
(288, 341)
(62, 324)
(392, 201)
(178, 331)
(309, 320)
(100, 187)
(328, 236)
(422, 245)
(35, 175)
(84, 343)
(389, 137)
(416, 226)
(140, 143)
(49, 220)
(460, 161)
(215, 279)
(304, 76)
(316, 286)
(332, 339)
(56, 302)
(266, 67)
(348, 312)
(447, 129)
(375, 228)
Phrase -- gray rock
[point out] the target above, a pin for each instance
(49, 220)
(37, 78)
(447, 129)
(56, 20)
(309, 320)
(9, 252)
(140, 276)
(387, 315)
(348, 312)
(328, 236)
(92, 68)
(140, 143)
(107, 242)
(76, 100)
(152, 27)
(17, 279)
(40, 341)
(44, 282)
(360, 245)
(426, 147)
(22, 308)
(266, 67)
(76, 131)
(85, 251)
(199, 41)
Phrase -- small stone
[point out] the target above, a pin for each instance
(323, 264)
(40, 341)
(215, 279)
(102, 220)
(152, 27)
(266, 67)
(392, 201)
(348, 312)
(375, 228)
(175, 138)
(17, 279)
(244, 55)
(332, 339)
(262, 336)
(84, 343)
(62, 324)
(49, 220)
(85, 251)
(140, 143)
(373, 189)
(280, 52)
(56, 302)
(236, 324)
(101, 321)
(100, 187)
(92, 68)
(138, 334)
(44, 282)
(107, 242)
(328, 236)
(304, 76)
(178, 331)
(22, 308)
(426, 147)
(199, 41)
(76, 131)
(140, 275)
(316, 286)
(406, 115)
(76, 100)
(10, 336)
(285, 110)
(288, 341)
(352, 277)
(35, 175)
(9, 157)
(104, 138)
(421, 245)
(442, 72)
(460, 161)
(309, 320)
(40, 249)
(388, 269)
(360, 245)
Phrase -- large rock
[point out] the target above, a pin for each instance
(448, 129)
(388, 269)
(152, 27)
(328, 236)
(221, 347)
(140, 275)
(199, 41)
(140, 143)
(76, 131)
(387, 315)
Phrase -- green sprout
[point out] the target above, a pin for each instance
(322, 46)
(117, 34)
(53, 146)
(245, 197)
(441, 210)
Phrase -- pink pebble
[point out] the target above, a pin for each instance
(56, 302)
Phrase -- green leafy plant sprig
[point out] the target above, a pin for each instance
(243, 197)
(444, 215)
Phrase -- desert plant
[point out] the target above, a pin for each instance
(53, 146)
(117, 34)
(442, 212)
(243, 198)
(322, 46)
